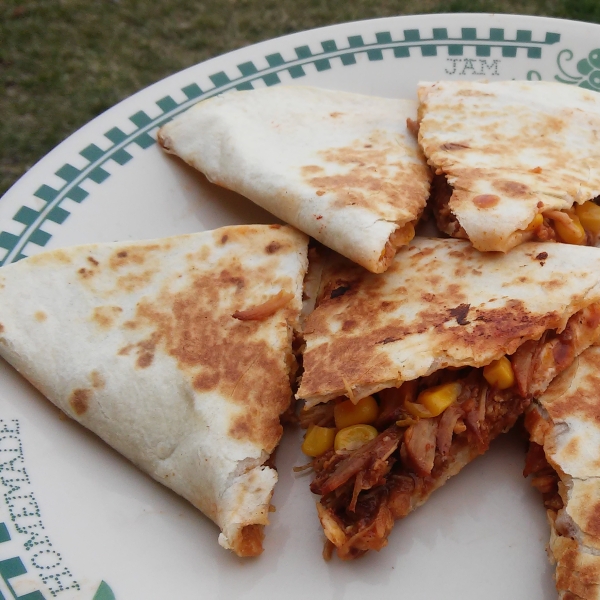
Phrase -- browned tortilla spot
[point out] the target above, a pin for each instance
(486, 200)
(367, 173)
(105, 316)
(145, 350)
(311, 169)
(513, 189)
(273, 247)
(133, 255)
(217, 352)
(40, 316)
(93, 261)
(97, 380)
(134, 281)
(79, 400)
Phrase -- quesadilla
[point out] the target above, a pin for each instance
(564, 459)
(342, 167)
(409, 375)
(514, 161)
(177, 352)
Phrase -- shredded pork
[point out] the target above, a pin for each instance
(364, 491)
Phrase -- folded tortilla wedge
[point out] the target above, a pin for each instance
(447, 346)
(564, 458)
(341, 167)
(177, 352)
(515, 160)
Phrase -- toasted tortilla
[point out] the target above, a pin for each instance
(341, 167)
(177, 352)
(440, 313)
(440, 304)
(566, 422)
(510, 150)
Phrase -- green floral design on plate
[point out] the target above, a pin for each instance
(588, 69)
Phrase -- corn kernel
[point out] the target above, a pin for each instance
(417, 410)
(570, 233)
(438, 398)
(499, 373)
(318, 440)
(537, 221)
(589, 216)
(355, 436)
(346, 413)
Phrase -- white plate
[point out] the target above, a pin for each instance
(78, 521)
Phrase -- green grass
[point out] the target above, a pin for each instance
(62, 62)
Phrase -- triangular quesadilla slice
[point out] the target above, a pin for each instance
(514, 161)
(177, 352)
(564, 458)
(409, 375)
(344, 168)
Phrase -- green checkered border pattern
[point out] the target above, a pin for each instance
(33, 220)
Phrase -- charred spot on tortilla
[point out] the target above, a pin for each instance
(273, 247)
(339, 291)
(85, 273)
(93, 261)
(460, 313)
(224, 239)
(80, 400)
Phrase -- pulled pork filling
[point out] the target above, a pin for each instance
(544, 477)
(364, 488)
(579, 225)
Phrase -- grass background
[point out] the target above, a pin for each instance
(63, 62)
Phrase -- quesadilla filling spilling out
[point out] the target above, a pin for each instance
(377, 459)
(579, 225)
(544, 476)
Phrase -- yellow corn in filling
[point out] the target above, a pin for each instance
(499, 373)
(347, 413)
(589, 216)
(318, 440)
(572, 233)
(355, 436)
(537, 221)
(438, 398)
